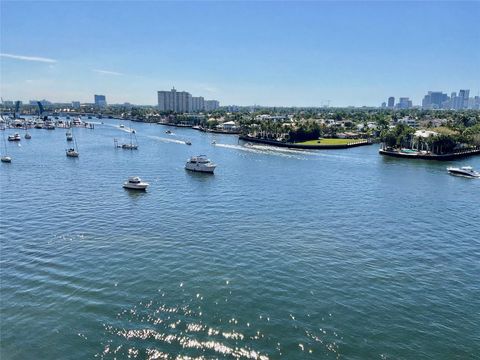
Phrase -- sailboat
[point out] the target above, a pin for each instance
(73, 151)
(5, 158)
(131, 146)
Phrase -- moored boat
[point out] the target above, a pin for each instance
(135, 183)
(69, 135)
(14, 137)
(200, 163)
(72, 152)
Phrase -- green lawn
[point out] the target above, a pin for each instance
(329, 142)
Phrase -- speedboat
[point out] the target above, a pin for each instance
(122, 126)
(200, 163)
(168, 132)
(72, 152)
(214, 142)
(466, 171)
(135, 183)
(14, 137)
(6, 159)
(188, 142)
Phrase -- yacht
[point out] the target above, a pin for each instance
(200, 163)
(39, 124)
(466, 171)
(14, 137)
(49, 125)
(77, 122)
(135, 183)
(6, 159)
(72, 152)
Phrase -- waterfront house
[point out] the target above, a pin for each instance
(229, 126)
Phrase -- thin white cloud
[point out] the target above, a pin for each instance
(28, 58)
(107, 72)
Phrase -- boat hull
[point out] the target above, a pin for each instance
(135, 186)
(200, 168)
(464, 174)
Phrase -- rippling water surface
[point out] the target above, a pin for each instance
(282, 254)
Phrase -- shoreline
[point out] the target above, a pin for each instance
(300, 146)
(441, 157)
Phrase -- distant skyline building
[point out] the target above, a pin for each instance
(198, 103)
(76, 104)
(435, 100)
(173, 100)
(183, 102)
(43, 102)
(404, 103)
(100, 101)
(211, 105)
(464, 96)
(391, 102)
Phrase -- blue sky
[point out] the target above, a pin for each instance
(269, 53)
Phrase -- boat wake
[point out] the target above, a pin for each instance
(175, 141)
(271, 150)
(287, 152)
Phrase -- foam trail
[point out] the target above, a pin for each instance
(166, 139)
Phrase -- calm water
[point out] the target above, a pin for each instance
(281, 254)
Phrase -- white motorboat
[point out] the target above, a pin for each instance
(168, 132)
(135, 183)
(72, 152)
(14, 137)
(200, 163)
(122, 126)
(465, 171)
(6, 159)
(39, 124)
(49, 124)
(77, 122)
(69, 135)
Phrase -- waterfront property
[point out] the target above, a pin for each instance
(322, 144)
(426, 155)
